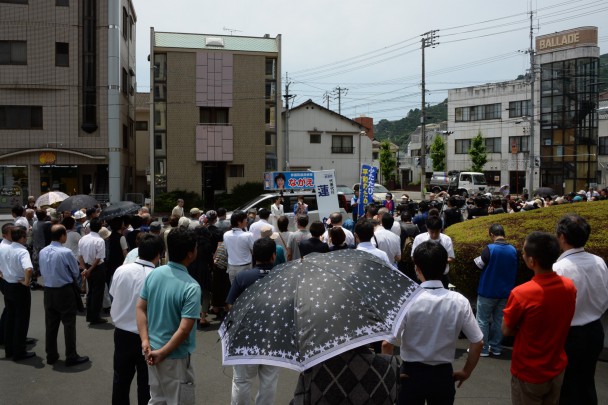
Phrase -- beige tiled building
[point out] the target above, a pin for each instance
(215, 102)
(63, 117)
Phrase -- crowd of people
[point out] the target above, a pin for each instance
(162, 282)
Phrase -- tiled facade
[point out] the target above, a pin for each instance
(59, 153)
(215, 109)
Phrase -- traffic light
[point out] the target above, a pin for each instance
(537, 161)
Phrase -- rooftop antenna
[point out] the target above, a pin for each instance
(231, 30)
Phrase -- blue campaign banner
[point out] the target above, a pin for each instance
(366, 187)
(289, 180)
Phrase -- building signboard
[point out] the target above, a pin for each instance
(584, 36)
(289, 180)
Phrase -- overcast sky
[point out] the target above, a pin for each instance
(373, 48)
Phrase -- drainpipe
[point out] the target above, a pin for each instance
(114, 161)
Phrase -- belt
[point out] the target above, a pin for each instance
(244, 264)
(57, 288)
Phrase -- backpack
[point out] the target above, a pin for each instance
(406, 250)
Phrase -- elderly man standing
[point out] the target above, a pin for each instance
(179, 208)
(17, 296)
(92, 249)
(166, 312)
(125, 289)
(60, 269)
(586, 336)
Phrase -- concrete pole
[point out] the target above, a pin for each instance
(114, 146)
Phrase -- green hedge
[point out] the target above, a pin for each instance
(470, 237)
(165, 202)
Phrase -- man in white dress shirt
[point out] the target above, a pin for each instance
(336, 219)
(125, 288)
(433, 227)
(238, 244)
(586, 337)
(92, 254)
(385, 240)
(256, 227)
(364, 232)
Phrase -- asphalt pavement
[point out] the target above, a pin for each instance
(34, 382)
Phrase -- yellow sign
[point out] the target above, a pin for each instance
(47, 158)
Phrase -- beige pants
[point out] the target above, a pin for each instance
(525, 393)
(172, 382)
(234, 270)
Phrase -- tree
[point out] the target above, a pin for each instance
(478, 153)
(388, 163)
(438, 154)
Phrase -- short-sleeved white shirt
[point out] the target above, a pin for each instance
(18, 261)
(371, 249)
(91, 247)
(388, 242)
(445, 241)
(239, 246)
(430, 329)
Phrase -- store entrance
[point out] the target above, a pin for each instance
(59, 178)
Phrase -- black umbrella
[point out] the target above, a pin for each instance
(303, 313)
(77, 202)
(118, 209)
(544, 192)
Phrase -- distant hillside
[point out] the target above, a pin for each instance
(399, 131)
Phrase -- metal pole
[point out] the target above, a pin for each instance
(423, 129)
(287, 97)
(533, 115)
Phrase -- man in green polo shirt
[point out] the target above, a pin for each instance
(169, 305)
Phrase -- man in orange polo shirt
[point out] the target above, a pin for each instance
(539, 313)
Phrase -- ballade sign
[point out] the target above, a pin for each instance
(585, 36)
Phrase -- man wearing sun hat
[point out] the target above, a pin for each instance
(267, 231)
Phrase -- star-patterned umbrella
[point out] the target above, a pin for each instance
(303, 313)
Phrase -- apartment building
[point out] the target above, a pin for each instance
(215, 111)
(67, 85)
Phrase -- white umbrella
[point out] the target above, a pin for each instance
(51, 198)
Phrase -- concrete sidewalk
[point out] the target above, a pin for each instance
(33, 381)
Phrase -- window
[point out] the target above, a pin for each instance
(62, 54)
(236, 170)
(141, 125)
(14, 1)
(13, 52)
(20, 117)
(62, 3)
(492, 145)
(125, 81)
(160, 91)
(214, 115)
(603, 145)
(519, 109)
(125, 137)
(270, 90)
(315, 138)
(271, 67)
(478, 113)
(342, 144)
(125, 23)
(462, 146)
(268, 139)
(521, 142)
(374, 155)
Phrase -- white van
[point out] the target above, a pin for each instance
(467, 183)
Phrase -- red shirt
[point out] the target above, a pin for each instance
(540, 312)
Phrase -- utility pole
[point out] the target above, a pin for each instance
(287, 98)
(326, 98)
(532, 114)
(338, 93)
(428, 40)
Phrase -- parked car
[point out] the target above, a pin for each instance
(348, 196)
(379, 192)
(440, 181)
(289, 200)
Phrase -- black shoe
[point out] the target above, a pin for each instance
(51, 360)
(76, 360)
(30, 341)
(24, 356)
(98, 321)
(35, 286)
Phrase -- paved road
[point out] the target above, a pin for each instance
(33, 381)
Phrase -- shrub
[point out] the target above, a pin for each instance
(470, 237)
(165, 202)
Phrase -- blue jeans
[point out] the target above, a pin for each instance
(489, 319)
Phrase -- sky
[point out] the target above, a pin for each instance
(372, 49)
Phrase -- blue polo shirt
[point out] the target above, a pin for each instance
(171, 295)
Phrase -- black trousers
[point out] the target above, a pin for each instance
(96, 282)
(433, 384)
(18, 301)
(60, 307)
(3, 316)
(128, 358)
(583, 347)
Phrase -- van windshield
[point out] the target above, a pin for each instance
(479, 179)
